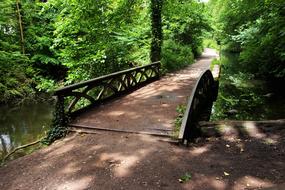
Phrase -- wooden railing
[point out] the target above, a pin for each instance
(199, 106)
(78, 97)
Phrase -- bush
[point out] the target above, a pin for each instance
(15, 74)
(210, 43)
(175, 56)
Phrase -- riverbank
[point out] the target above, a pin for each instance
(243, 96)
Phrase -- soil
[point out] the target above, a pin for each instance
(111, 160)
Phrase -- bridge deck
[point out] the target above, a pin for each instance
(150, 109)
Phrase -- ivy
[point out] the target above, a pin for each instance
(59, 124)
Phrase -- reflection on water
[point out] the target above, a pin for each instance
(22, 125)
(241, 97)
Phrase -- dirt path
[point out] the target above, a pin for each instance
(124, 161)
(110, 160)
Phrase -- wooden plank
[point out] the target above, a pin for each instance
(79, 126)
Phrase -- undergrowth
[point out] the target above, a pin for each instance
(180, 109)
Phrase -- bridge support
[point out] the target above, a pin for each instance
(199, 106)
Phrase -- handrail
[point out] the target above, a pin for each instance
(98, 79)
(199, 106)
(76, 98)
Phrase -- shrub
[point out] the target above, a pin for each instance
(175, 56)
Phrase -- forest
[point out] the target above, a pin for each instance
(256, 30)
(189, 129)
(46, 44)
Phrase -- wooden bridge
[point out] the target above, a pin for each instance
(135, 101)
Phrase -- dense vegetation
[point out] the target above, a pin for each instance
(46, 44)
(256, 29)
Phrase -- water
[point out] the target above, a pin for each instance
(242, 97)
(22, 125)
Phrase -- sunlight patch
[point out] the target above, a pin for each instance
(252, 130)
(74, 184)
(251, 182)
(200, 150)
(121, 164)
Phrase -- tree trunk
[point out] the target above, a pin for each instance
(156, 28)
(20, 26)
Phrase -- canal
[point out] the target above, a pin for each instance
(23, 124)
(243, 97)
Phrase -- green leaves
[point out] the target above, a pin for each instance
(185, 22)
(67, 41)
(185, 178)
(175, 55)
(253, 28)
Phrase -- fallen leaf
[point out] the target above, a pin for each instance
(226, 174)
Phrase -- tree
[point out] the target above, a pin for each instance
(255, 29)
(156, 28)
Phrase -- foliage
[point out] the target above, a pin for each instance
(180, 109)
(210, 43)
(241, 97)
(59, 124)
(15, 82)
(256, 29)
(186, 177)
(175, 55)
(67, 41)
(185, 22)
(56, 132)
(93, 42)
(38, 29)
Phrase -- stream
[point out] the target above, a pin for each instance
(22, 125)
(242, 97)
